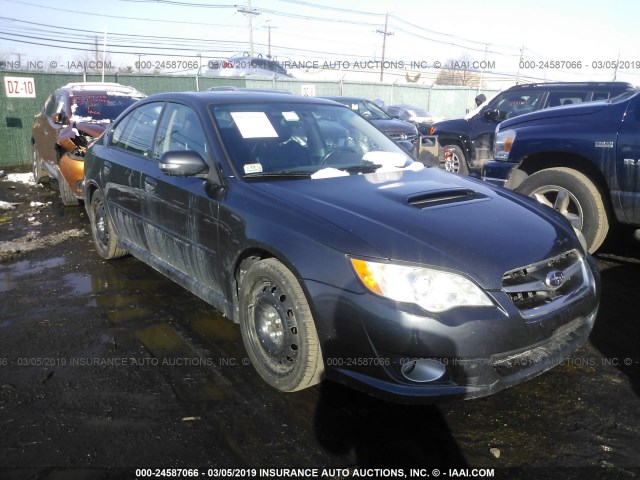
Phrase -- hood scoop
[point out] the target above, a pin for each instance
(444, 197)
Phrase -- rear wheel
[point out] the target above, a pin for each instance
(277, 327)
(104, 235)
(572, 194)
(454, 160)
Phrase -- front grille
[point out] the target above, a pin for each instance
(542, 286)
(410, 137)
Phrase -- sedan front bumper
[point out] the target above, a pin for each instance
(398, 352)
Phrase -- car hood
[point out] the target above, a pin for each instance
(392, 125)
(454, 125)
(432, 217)
(425, 119)
(587, 108)
(93, 129)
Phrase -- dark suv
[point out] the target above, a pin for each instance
(467, 143)
(70, 118)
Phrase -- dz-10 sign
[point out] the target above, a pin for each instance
(20, 87)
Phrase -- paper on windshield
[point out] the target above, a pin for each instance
(254, 125)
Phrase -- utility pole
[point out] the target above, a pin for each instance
(519, 63)
(385, 34)
(249, 12)
(269, 27)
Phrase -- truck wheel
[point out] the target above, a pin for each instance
(277, 327)
(104, 235)
(69, 198)
(455, 161)
(573, 195)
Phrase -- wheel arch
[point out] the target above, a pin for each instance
(545, 160)
(89, 189)
(459, 140)
(248, 257)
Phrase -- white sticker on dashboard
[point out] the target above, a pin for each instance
(253, 168)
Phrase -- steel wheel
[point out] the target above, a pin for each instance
(277, 327)
(104, 235)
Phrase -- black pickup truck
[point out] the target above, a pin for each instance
(581, 160)
(467, 143)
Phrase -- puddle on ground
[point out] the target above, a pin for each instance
(8, 273)
(78, 284)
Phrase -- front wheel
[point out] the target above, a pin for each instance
(572, 194)
(39, 176)
(454, 160)
(69, 198)
(277, 327)
(104, 235)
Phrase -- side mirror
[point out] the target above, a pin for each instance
(185, 163)
(58, 118)
(492, 116)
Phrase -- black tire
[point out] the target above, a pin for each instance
(457, 163)
(104, 235)
(277, 327)
(39, 175)
(69, 198)
(573, 195)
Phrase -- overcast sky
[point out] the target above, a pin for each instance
(590, 35)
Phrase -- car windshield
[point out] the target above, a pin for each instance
(367, 109)
(99, 107)
(417, 112)
(304, 139)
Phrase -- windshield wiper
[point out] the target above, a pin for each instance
(367, 168)
(280, 174)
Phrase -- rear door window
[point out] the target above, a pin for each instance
(557, 99)
(134, 132)
(600, 96)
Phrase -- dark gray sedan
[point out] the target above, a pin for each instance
(337, 254)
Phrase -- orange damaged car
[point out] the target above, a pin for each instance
(71, 117)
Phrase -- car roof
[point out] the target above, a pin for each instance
(236, 97)
(88, 87)
(340, 98)
(574, 85)
(406, 106)
(232, 88)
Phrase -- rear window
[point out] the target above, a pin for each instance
(99, 107)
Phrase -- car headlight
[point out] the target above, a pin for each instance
(504, 142)
(433, 290)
